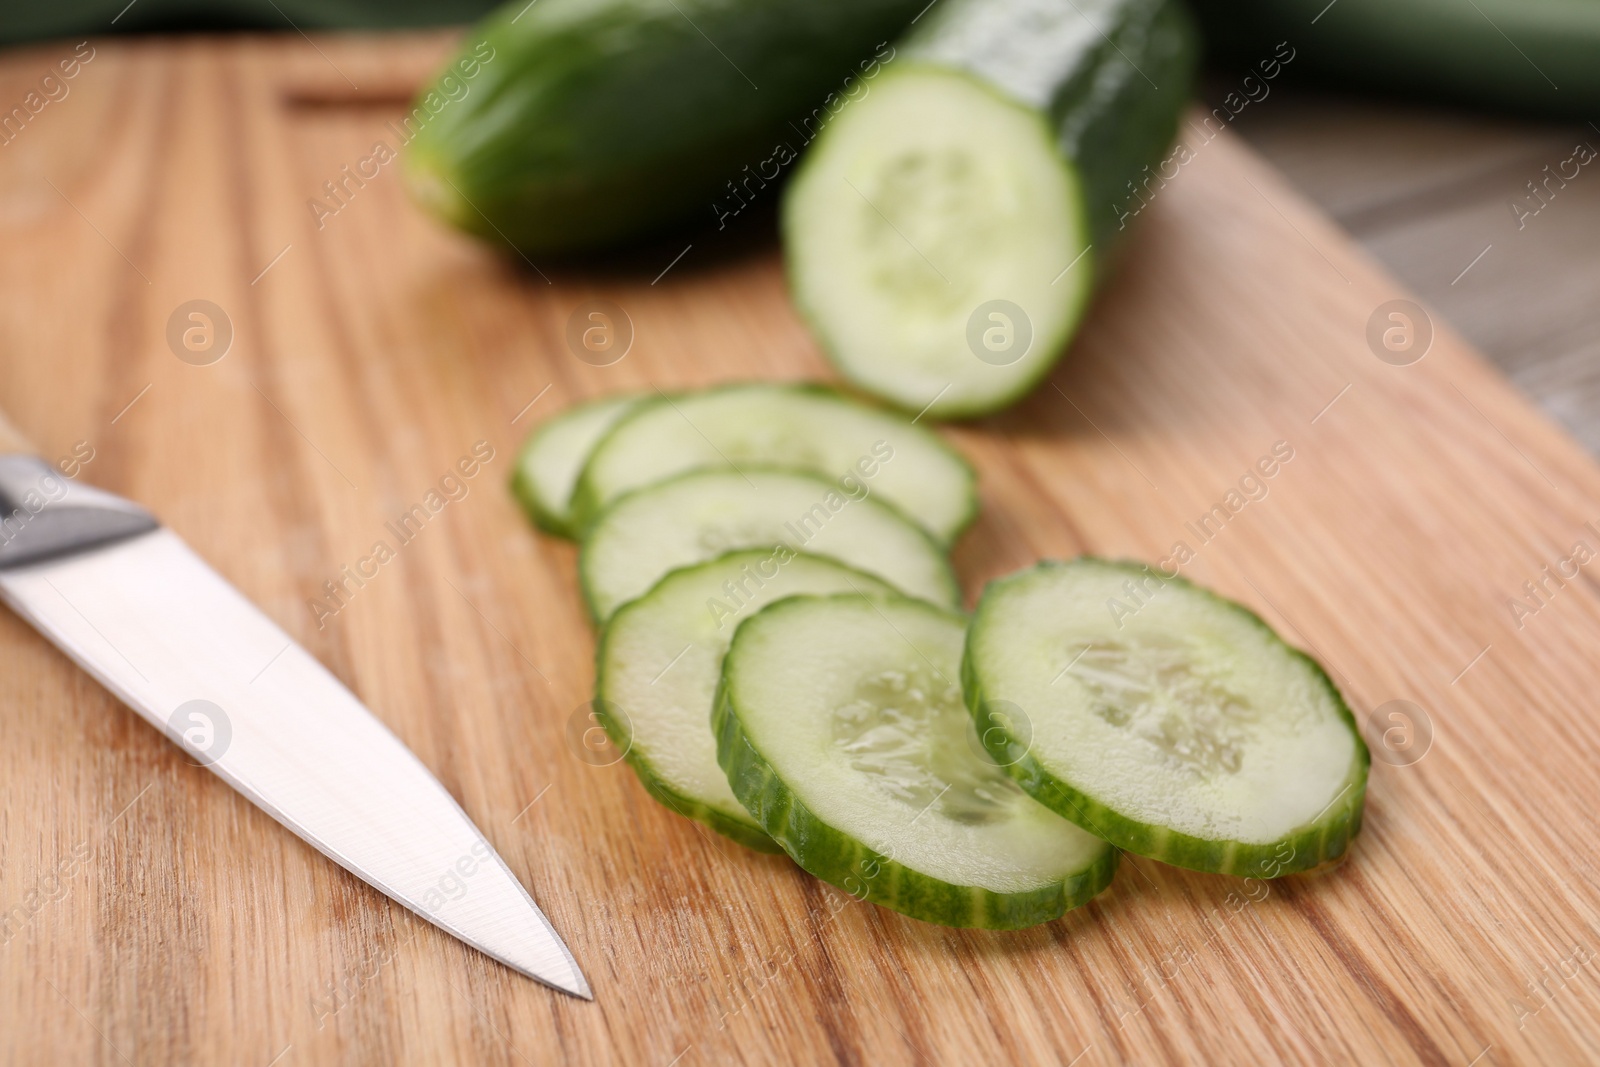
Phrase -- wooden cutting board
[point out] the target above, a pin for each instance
(155, 917)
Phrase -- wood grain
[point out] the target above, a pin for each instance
(11, 438)
(1441, 197)
(155, 917)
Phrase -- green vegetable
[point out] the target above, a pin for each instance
(946, 231)
(554, 455)
(602, 120)
(696, 516)
(1169, 721)
(1539, 56)
(840, 726)
(803, 427)
(659, 660)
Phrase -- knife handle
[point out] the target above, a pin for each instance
(44, 516)
(11, 439)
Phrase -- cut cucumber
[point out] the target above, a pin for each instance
(554, 455)
(840, 726)
(659, 660)
(699, 515)
(945, 232)
(1171, 722)
(799, 426)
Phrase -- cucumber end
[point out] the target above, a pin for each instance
(936, 243)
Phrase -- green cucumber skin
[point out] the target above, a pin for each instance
(620, 735)
(557, 524)
(743, 833)
(1323, 841)
(1440, 49)
(1114, 108)
(543, 517)
(587, 505)
(842, 861)
(947, 573)
(599, 121)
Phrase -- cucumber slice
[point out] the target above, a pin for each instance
(699, 515)
(840, 726)
(1164, 718)
(659, 659)
(554, 455)
(945, 232)
(800, 426)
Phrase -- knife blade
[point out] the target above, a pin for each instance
(132, 605)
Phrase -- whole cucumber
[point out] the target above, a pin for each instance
(598, 121)
(1534, 56)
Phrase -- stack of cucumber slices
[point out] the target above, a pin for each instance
(783, 657)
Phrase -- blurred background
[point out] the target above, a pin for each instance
(1428, 188)
(1422, 128)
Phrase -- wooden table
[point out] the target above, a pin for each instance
(155, 917)
(1441, 198)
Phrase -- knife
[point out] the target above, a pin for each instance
(132, 605)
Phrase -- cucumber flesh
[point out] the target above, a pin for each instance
(699, 515)
(945, 232)
(841, 729)
(803, 427)
(659, 660)
(552, 459)
(1166, 719)
(938, 198)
